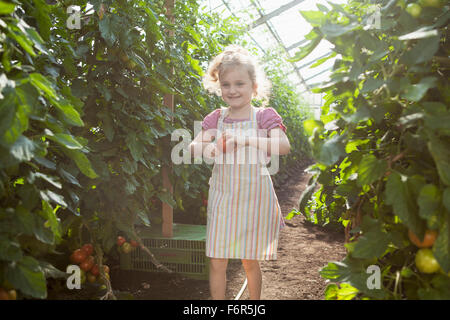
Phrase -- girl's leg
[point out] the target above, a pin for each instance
(254, 278)
(218, 278)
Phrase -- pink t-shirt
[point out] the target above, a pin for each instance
(267, 118)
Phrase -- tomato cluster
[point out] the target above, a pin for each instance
(125, 246)
(424, 259)
(89, 269)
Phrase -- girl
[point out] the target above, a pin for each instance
(243, 214)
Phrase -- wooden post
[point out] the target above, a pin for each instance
(167, 210)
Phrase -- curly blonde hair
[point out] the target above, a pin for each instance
(232, 56)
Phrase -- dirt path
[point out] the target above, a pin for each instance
(303, 249)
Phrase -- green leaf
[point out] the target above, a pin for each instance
(51, 271)
(310, 125)
(82, 162)
(70, 114)
(27, 276)
(68, 177)
(423, 32)
(21, 39)
(398, 195)
(41, 83)
(52, 219)
(135, 145)
(331, 30)
(106, 28)
(167, 198)
(6, 8)
(65, 140)
(10, 250)
(144, 217)
(440, 151)
(423, 51)
(315, 18)
(446, 198)
(416, 92)
(370, 169)
(129, 166)
(429, 200)
(372, 244)
(26, 218)
(352, 272)
(108, 125)
(332, 150)
(307, 49)
(441, 247)
(24, 149)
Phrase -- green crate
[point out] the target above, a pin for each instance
(184, 252)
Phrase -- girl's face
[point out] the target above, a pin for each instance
(237, 87)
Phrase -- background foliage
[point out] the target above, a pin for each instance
(84, 131)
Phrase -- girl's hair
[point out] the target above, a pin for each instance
(235, 55)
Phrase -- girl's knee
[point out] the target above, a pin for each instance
(250, 264)
(218, 264)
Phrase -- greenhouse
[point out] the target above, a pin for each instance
(224, 150)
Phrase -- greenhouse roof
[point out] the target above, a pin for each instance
(279, 25)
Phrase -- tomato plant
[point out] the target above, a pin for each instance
(84, 130)
(382, 148)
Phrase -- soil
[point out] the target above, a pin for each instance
(303, 249)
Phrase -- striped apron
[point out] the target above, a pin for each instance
(243, 215)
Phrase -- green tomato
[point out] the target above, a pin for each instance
(431, 3)
(126, 248)
(414, 9)
(426, 262)
(82, 276)
(401, 4)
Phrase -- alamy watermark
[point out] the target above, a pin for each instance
(74, 19)
(374, 20)
(74, 279)
(374, 280)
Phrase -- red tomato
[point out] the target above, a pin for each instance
(4, 294)
(88, 248)
(134, 243)
(95, 271)
(428, 241)
(78, 256)
(120, 241)
(221, 144)
(87, 264)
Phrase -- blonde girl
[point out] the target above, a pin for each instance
(243, 214)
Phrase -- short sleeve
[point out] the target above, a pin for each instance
(210, 121)
(269, 119)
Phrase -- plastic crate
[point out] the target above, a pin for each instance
(184, 252)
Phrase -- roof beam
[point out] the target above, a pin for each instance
(263, 19)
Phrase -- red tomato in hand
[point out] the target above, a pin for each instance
(222, 144)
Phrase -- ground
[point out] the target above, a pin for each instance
(303, 249)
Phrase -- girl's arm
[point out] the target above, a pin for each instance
(276, 143)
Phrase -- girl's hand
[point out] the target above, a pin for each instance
(211, 151)
(233, 141)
